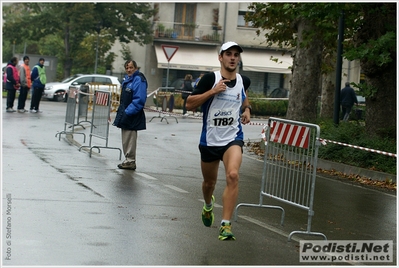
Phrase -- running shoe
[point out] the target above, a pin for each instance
(207, 214)
(225, 232)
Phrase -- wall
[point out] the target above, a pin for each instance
(50, 63)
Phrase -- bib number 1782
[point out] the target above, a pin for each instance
(223, 121)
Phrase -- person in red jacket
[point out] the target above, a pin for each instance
(12, 83)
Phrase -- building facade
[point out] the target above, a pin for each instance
(197, 30)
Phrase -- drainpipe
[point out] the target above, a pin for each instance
(224, 22)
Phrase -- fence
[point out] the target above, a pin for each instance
(115, 91)
(83, 105)
(289, 171)
(70, 114)
(164, 96)
(100, 120)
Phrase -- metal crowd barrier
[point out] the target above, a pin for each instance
(83, 104)
(70, 114)
(289, 171)
(165, 95)
(101, 120)
(115, 94)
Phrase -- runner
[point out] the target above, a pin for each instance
(222, 96)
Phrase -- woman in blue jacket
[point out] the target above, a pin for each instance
(130, 116)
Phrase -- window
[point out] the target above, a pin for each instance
(185, 17)
(241, 20)
(83, 80)
(102, 80)
(242, 10)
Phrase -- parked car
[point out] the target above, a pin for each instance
(361, 99)
(58, 91)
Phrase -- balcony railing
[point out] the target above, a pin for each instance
(187, 31)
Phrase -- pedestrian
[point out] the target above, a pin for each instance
(130, 116)
(26, 83)
(11, 79)
(225, 106)
(348, 99)
(198, 79)
(187, 87)
(38, 78)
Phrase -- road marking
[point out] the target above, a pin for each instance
(147, 176)
(176, 188)
(269, 227)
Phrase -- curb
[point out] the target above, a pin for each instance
(347, 169)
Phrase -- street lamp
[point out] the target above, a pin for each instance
(98, 39)
(95, 65)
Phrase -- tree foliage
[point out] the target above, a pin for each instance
(78, 26)
(304, 29)
(369, 34)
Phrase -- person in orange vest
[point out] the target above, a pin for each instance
(26, 83)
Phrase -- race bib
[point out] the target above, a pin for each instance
(221, 118)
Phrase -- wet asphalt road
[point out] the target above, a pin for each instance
(62, 207)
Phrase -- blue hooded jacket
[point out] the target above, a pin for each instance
(130, 114)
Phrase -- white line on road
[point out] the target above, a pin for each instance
(267, 226)
(147, 176)
(176, 189)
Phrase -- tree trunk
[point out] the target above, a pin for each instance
(328, 86)
(381, 105)
(306, 81)
(327, 96)
(381, 108)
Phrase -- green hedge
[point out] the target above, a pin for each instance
(354, 133)
(261, 107)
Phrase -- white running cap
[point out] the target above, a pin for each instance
(228, 45)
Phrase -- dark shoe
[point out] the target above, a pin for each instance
(127, 165)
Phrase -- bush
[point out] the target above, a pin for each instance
(269, 107)
(354, 134)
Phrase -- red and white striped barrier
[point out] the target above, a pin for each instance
(102, 98)
(323, 141)
(289, 134)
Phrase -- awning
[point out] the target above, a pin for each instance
(190, 58)
(260, 61)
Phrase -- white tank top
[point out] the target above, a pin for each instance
(221, 121)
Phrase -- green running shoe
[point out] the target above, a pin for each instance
(207, 215)
(225, 232)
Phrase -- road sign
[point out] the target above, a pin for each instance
(169, 51)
